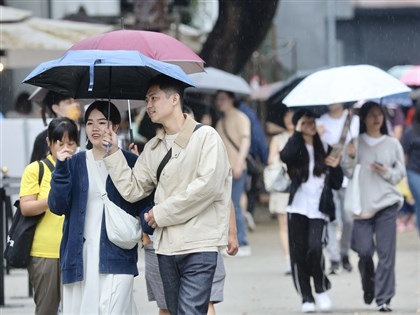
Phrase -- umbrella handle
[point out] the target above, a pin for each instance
(131, 136)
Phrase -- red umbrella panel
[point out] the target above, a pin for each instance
(411, 77)
(154, 45)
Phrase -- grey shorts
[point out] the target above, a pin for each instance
(154, 283)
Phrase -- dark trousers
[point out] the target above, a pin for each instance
(44, 274)
(306, 238)
(378, 233)
(187, 281)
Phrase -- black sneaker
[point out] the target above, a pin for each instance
(368, 297)
(346, 263)
(334, 267)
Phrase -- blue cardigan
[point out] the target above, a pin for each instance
(68, 196)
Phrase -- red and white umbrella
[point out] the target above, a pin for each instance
(154, 45)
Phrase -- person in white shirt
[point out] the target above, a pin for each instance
(330, 126)
(313, 172)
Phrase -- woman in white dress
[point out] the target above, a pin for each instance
(97, 275)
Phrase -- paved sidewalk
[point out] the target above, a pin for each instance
(256, 285)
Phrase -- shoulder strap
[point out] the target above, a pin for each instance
(162, 164)
(168, 155)
(49, 164)
(41, 172)
(227, 135)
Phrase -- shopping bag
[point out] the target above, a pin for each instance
(352, 202)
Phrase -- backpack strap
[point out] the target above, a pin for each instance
(49, 164)
(41, 172)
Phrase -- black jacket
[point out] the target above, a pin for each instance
(292, 154)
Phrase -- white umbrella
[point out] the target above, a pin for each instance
(344, 84)
(214, 79)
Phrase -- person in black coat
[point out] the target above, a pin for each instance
(54, 105)
(313, 172)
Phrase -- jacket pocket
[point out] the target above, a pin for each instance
(203, 227)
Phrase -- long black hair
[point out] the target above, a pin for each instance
(364, 111)
(301, 171)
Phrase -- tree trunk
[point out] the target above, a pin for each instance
(151, 15)
(239, 30)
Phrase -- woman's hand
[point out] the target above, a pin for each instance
(299, 124)
(133, 148)
(238, 169)
(351, 149)
(378, 168)
(332, 160)
(64, 153)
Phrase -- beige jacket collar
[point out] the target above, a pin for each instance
(184, 135)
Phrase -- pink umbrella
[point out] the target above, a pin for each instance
(411, 77)
(155, 45)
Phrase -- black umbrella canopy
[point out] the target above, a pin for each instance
(275, 109)
(103, 74)
(109, 82)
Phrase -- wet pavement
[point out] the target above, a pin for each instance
(256, 285)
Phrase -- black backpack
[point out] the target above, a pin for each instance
(21, 232)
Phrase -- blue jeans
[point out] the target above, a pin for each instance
(414, 184)
(238, 187)
(187, 281)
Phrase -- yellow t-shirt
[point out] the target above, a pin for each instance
(48, 231)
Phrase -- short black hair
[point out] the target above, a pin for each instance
(54, 98)
(103, 106)
(231, 95)
(168, 84)
(49, 100)
(58, 127)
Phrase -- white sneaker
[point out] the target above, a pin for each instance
(244, 251)
(308, 307)
(323, 301)
(249, 220)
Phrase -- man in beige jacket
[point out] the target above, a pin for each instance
(192, 200)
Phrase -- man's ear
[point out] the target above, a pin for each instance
(48, 141)
(55, 108)
(175, 98)
(115, 128)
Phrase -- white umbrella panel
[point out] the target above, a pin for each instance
(344, 84)
(214, 79)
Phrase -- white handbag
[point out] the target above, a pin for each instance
(352, 201)
(122, 229)
(276, 178)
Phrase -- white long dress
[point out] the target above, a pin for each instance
(97, 293)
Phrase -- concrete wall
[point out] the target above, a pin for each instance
(306, 33)
(382, 37)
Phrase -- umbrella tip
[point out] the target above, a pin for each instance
(122, 22)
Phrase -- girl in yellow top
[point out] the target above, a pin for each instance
(43, 268)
